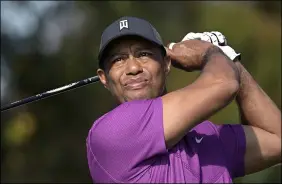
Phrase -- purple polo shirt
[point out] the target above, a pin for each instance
(127, 145)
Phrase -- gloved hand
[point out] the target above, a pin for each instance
(215, 38)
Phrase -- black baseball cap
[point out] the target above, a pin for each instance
(129, 26)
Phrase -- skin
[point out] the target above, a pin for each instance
(262, 124)
(185, 108)
(134, 69)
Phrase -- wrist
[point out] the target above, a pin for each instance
(216, 57)
(211, 52)
(239, 66)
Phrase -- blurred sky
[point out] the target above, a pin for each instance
(20, 20)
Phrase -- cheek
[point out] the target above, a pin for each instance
(114, 79)
(157, 73)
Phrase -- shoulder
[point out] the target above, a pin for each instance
(129, 111)
(126, 118)
(121, 140)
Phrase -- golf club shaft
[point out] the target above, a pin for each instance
(51, 93)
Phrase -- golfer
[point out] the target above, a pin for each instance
(155, 136)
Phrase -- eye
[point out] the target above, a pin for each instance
(117, 59)
(144, 54)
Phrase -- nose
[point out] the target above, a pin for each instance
(133, 66)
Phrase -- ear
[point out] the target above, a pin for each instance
(167, 61)
(102, 75)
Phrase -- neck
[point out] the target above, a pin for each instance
(164, 91)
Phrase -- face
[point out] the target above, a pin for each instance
(134, 69)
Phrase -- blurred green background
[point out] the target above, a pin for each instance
(47, 44)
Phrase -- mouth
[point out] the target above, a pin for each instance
(136, 84)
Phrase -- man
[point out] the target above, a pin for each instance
(159, 137)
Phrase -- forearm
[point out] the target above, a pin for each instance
(218, 83)
(215, 88)
(256, 108)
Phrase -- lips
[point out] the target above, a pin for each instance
(137, 83)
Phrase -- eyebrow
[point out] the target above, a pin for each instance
(115, 54)
(137, 48)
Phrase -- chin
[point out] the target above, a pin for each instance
(139, 96)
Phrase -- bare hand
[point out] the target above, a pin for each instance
(189, 54)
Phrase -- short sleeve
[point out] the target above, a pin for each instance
(121, 144)
(232, 137)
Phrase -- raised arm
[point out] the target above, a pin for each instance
(262, 124)
(260, 117)
(215, 88)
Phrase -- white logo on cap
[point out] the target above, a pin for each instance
(123, 24)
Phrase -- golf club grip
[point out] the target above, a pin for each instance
(51, 93)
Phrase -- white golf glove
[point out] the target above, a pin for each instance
(215, 38)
